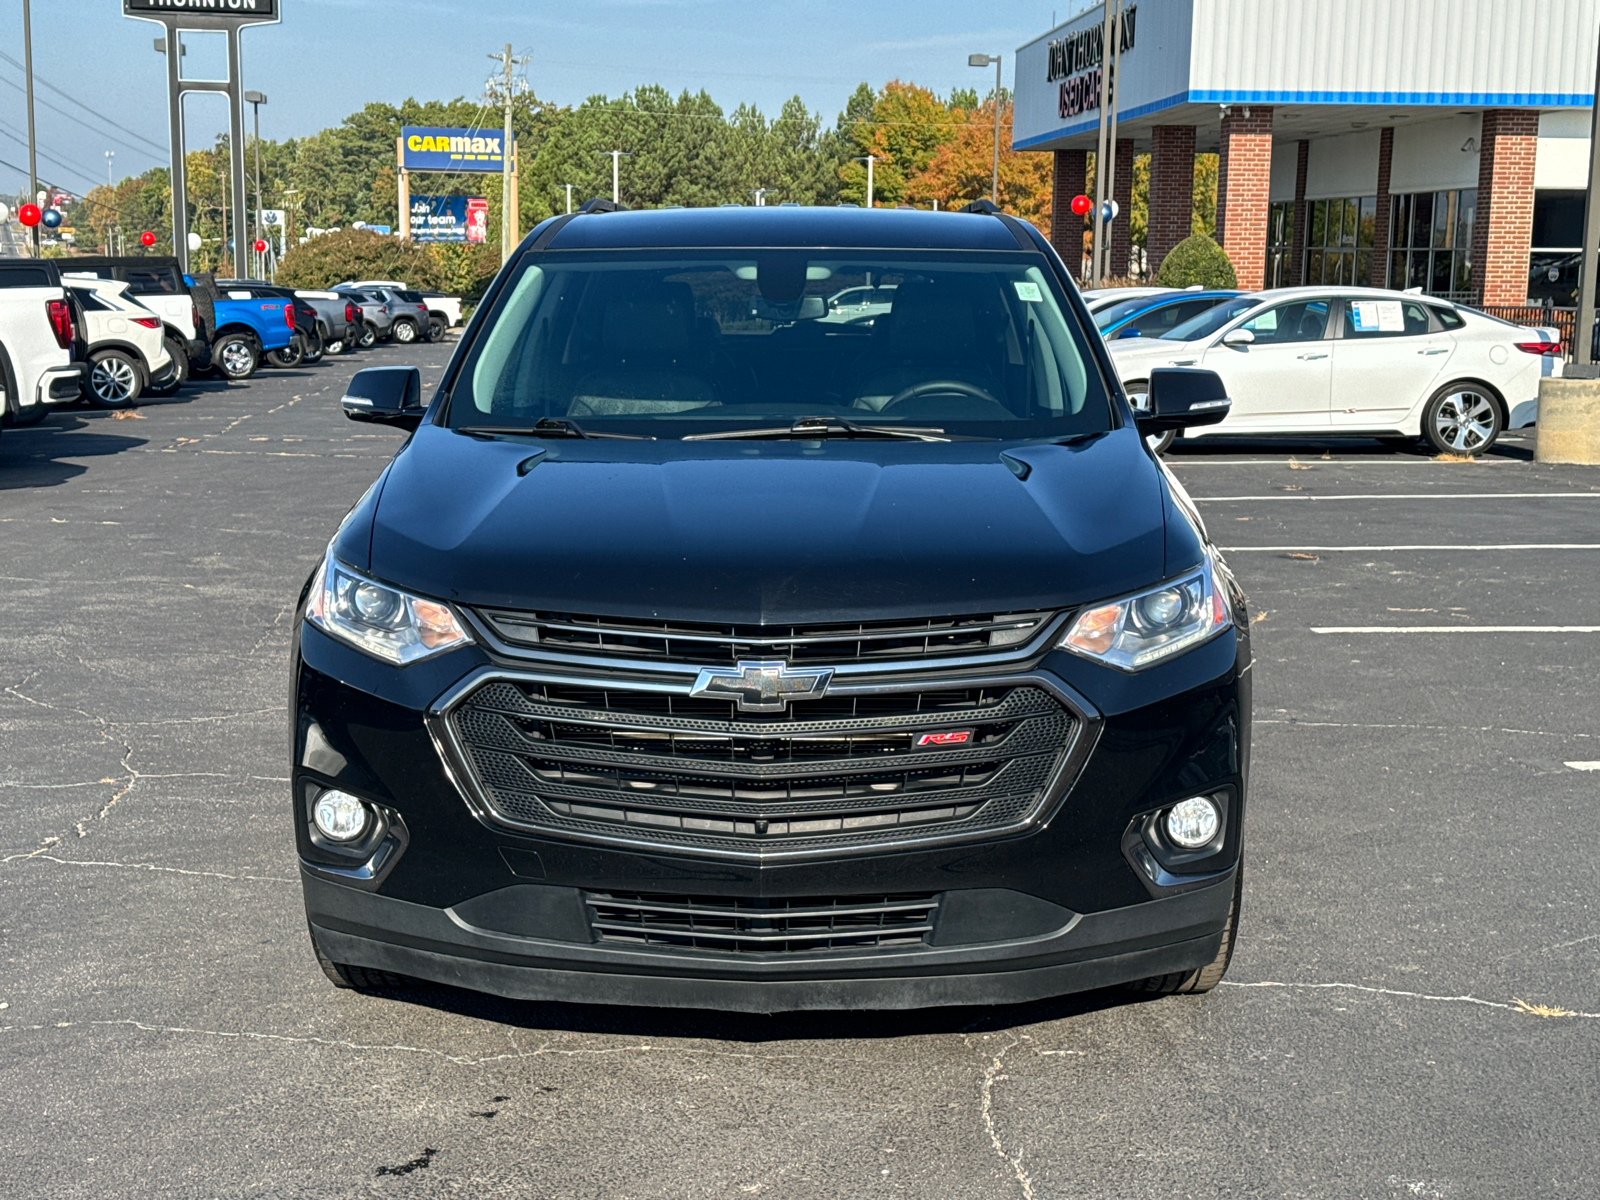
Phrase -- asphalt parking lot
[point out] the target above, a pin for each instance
(1413, 1010)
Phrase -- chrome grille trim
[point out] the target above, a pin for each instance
(642, 834)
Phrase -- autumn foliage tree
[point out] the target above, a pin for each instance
(961, 169)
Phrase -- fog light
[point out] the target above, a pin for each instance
(1193, 822)
(341, 817)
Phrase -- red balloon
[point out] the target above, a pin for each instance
(1081, 205)
(30, 215)
(261, 247)
(147, 238)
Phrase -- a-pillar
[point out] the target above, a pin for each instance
(1122, 193)
(1066, 226)
(1244, 185)
(1502, 232)
(1380, 222)
(1171, 214)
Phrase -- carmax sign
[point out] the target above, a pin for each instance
(433, 149)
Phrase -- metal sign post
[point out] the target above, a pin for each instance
(449, 150)
(205, 16)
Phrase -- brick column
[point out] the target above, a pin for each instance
(1171, 190)
(1380, 226)
(1244, 183)
(1503, 231)
(1122, 193)
(1302, 216)
(1066, 226)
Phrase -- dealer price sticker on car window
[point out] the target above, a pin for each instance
(1377, 316)
(1027, 291)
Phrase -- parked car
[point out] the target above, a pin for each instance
(306, 344)
(338, 319)
(41, 347)
(1101, 298)
(811, 666)
(858, 304)
(406, 310)
(1357, 361)
(128, 345)
(376, 320)
(243, 327)
(444, 311)
(1158, 315)
(159, 284)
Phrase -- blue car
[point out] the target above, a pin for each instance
(1152, 316)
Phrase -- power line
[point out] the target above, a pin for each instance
(160, 149)
(80, 121)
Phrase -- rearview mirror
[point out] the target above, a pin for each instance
(1238, 337)
(1182, 397)
(391, 395)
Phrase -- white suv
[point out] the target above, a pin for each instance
(128, 352)
(38, 339)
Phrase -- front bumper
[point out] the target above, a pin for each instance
(1057, 906)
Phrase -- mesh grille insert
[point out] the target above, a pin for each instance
(751, 926)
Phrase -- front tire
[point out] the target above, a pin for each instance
(236, 356)
(1462, 418)
(1138, 392)
(1197, 982)
(355, 979)
(405, 331)
(369, 336)
(114, 380)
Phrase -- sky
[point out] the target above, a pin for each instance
(329, 57)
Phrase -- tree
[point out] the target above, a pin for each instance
(1197, 260)
(962, 169)
(907, 126)
(332, 258)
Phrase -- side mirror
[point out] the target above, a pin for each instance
(1182, 397)
(1238, 337)
(391, 395)
(1128, 331)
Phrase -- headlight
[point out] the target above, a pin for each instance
(383, 621)
(1139, 630)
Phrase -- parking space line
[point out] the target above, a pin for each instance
(1376, 549)
(1410, 496)
(1455, 629)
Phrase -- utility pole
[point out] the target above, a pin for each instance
(616, 189)
(1100, 148)
(869, 159)
(33, 161)
(288, 218)
(508, 93)
(1113, 52)
(1591, 241)
(568, 186)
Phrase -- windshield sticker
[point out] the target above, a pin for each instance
(1027, 291)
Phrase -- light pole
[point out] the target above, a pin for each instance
(869, 159)
(33, 162)
(568, 186)
(616, 158)
(984, 60)
(760, 194)
(255, 100)
(1591, 241)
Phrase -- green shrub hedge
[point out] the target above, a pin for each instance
(460, 269)
(1197, 260)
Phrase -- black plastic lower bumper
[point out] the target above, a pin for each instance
(362, 928)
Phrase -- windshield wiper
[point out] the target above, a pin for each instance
(826, 427)
(549, 427)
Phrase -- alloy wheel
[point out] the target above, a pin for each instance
(405, 332)
(1466, 421)
(236, 360)
(113, 380)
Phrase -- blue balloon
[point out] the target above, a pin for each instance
(52, 217)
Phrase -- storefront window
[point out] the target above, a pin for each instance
(1280, 237)
(1339, 245)
(1557, 247)
(1430, 238)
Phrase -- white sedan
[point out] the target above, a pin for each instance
(1356, 361)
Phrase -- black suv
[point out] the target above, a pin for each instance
(698, 650)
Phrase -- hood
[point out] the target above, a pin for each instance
(766, 532)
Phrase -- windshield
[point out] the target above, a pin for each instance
(1106, 317)
(675, 344)
(1210, 321)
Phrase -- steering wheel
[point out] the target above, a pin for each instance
(933, 387)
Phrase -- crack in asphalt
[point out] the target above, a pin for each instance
(991, 1076)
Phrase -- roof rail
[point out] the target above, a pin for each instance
(601, 205)
(987, 207)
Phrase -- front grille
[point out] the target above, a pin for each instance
(750, 926)
(720, 645)
(844, 771)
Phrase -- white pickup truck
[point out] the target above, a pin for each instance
(444, 311)
(41, 359)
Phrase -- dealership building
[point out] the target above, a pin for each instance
(1440, 144)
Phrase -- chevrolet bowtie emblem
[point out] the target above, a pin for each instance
(762, 686)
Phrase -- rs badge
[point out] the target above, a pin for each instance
(953, 737)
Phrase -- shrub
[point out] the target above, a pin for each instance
(1197, 260)
(331, 258)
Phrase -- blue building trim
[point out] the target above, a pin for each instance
(1443, 99)
(1419, 99)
